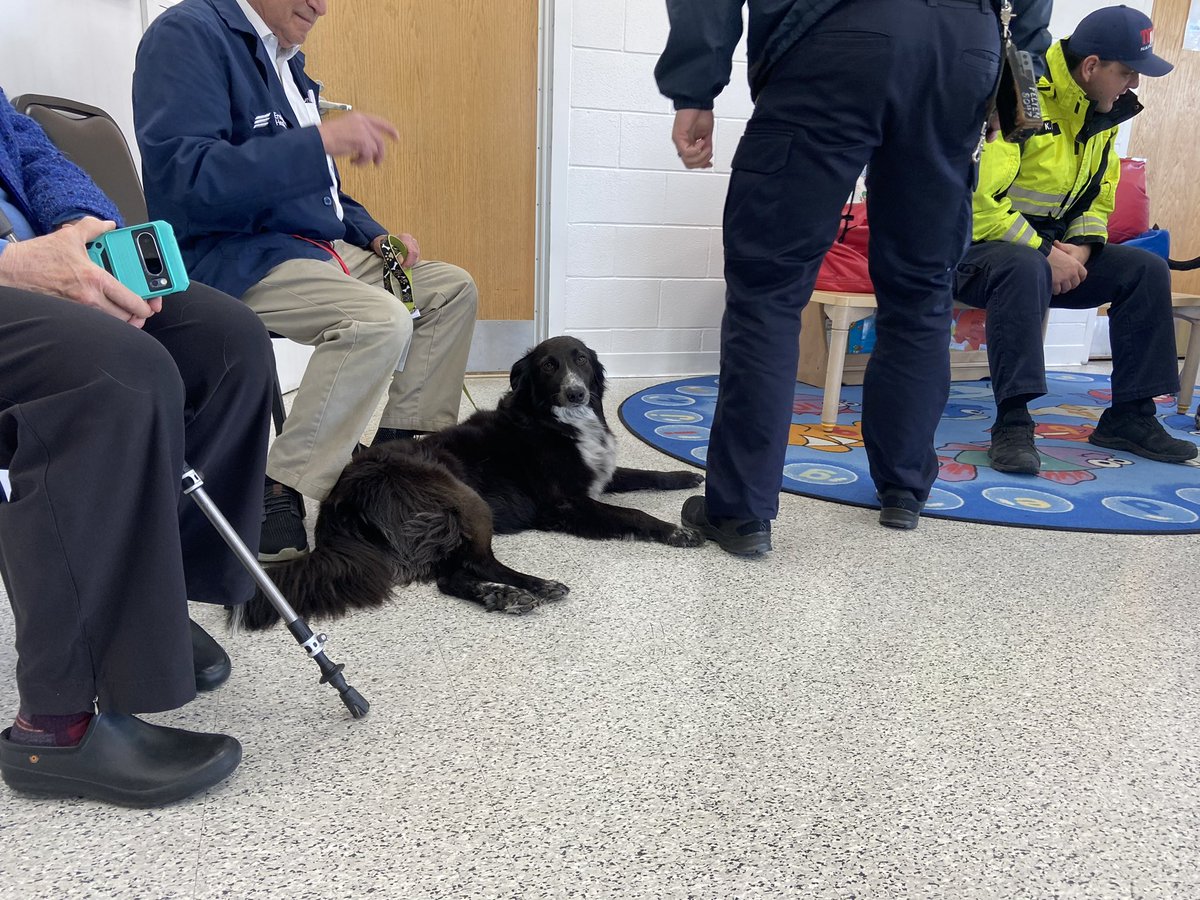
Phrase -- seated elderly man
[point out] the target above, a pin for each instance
(103, 395)
(236, 157)
(1041, 217)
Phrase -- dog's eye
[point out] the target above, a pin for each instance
(549, 365)
(581, 360)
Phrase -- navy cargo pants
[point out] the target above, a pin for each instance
(1013, 284)
(899, 84)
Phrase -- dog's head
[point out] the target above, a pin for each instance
(560, 372)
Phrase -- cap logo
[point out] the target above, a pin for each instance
(1147, 39)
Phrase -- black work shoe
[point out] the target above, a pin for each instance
(899, 508)
(210, 659)
(1013, 450)
(1142, 435)
(122, 760)
(741, 537)
(283, 534)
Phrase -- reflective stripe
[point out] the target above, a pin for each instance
(1034, 198)
(1088, 226)
(1019, 232)
(1028, 209)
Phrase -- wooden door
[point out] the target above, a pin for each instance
(1165, 134)
(460, 80)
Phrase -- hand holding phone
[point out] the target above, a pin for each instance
(57, 265)
(144, 258)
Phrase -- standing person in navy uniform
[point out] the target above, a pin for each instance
(901, 85)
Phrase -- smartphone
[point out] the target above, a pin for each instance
(144, 258)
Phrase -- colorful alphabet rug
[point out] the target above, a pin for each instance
(1081, 487)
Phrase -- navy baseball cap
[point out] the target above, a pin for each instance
(1119, 34)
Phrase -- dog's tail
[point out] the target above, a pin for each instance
(342, 575)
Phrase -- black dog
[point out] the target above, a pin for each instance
(415, 510)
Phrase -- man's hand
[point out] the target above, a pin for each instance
(411, 258)
(693, 137)
(57, 264)
(360, 136)
(993, 126)
(1082, 252)
(1066, 272)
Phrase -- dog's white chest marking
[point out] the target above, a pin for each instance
(596, 445)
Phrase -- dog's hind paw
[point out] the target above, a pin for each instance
(685, 537)
(509, 599)
(552, 590)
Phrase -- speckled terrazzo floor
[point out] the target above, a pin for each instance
(960, 712)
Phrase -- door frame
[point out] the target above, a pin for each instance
(554, 139)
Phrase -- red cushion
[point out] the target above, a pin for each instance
(844, 268)
(1131, 216)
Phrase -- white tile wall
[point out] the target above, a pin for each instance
(643, 273)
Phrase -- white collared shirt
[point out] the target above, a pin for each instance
(304, 108)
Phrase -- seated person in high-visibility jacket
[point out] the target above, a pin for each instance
(1040, 240)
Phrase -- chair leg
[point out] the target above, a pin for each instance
(1191, 363)
(839, 339)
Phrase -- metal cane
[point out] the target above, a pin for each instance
(313, 644)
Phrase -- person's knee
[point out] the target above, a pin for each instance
(247, 343)
(1019, 281)
(462, 290)
(139, 382)
(1155, 272)
(1026, 263)
(386, 331)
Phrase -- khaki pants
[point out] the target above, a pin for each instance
(361, 334)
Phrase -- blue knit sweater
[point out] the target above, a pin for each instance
(48, 188)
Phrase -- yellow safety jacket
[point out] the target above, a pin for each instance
(1061, 184)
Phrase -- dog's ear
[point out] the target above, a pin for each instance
(597, 385)
(520, 381)
(520, 371)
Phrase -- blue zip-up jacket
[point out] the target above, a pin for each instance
(696, 63)
(223, 158)
(43, 184)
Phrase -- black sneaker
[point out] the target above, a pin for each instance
(384, 435)
(283, 534)
(1013, 450)
(741, 537)
(899, 508)
(1142, 435)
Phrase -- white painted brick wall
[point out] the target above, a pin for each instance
(643, 274)
(643, 281)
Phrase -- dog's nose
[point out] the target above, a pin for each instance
(576, 394)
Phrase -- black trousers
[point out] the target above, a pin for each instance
(901, 85)
(1013, 284)
(100, 549)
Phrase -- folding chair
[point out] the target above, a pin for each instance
(90, 138)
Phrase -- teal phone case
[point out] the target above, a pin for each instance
(144, 258)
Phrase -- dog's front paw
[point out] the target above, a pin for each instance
(685, 537)
(552, 590)
(679, 481)
(509, 599)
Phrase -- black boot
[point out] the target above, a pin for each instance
(1012, 449)
(1135, 428)
(899, 508)
(210, 659)
(741, 537)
